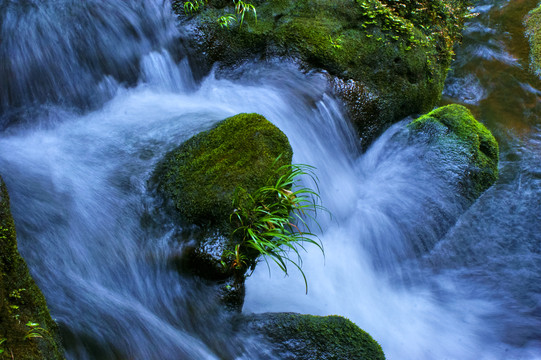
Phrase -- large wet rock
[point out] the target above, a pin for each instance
(308, 337)
(26, 327)
(386, 59)
(199, 180)
(533, 31)
(466, 148)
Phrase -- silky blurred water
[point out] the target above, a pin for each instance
(94, 94)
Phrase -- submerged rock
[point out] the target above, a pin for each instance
(27, 331)
(199, 178)
(465, 144)
(533, 31)
(396, 53)
(308, 337)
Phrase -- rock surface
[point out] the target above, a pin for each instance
(465, 144)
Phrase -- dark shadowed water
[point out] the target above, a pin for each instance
(94, 93)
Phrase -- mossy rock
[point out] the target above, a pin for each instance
(200, 178)
(308, 337)
(398, 52)
(21, 300)
(462, 139)
(201, 175)
(533, 31)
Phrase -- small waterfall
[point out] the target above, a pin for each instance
(61, 51)
(93, 95)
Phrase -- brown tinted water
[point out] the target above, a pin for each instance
(496, 52)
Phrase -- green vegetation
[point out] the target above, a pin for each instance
(454, 129)
(237, 183)
(27, 331)
(201, 175)
(308, 337)
(271, 220)
(188, 8)
(241, 9)
(533, 31)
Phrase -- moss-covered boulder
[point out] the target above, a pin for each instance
(27, 331)
(201, 175)
(308, 337)
(466, 145)
(386, 58)
(533, 31)
(199, 179)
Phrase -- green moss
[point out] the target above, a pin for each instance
(399, 50)
(308, 337)
(201, 175)
(200, 178)
(533, 31)
(21, 300)
(454, 126)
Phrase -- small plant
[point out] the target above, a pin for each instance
(193, 7)
(227, 20)
(2, 340)
(273, 220)
(16, 293)
(336, 43)
(241, 8)
(34, 331)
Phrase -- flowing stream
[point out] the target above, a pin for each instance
(94, 93)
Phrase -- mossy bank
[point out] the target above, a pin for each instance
(533, 31)
(27, 331)
(466, 144)
(386, 59)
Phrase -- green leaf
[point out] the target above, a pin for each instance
(275, 220)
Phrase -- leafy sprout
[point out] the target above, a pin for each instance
(274, 221)
(227, 20)
(34, 331)
(241, 8)
(191, 7)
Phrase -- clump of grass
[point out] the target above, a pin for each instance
(241, 8)
(273, 222)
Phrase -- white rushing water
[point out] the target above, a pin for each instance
(88, 228)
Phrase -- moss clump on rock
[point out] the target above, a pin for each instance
(458, 134)
(308, 337)
(396, 52)
(201, 175)
(533, 31)
(200, 178)
(21, 301)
